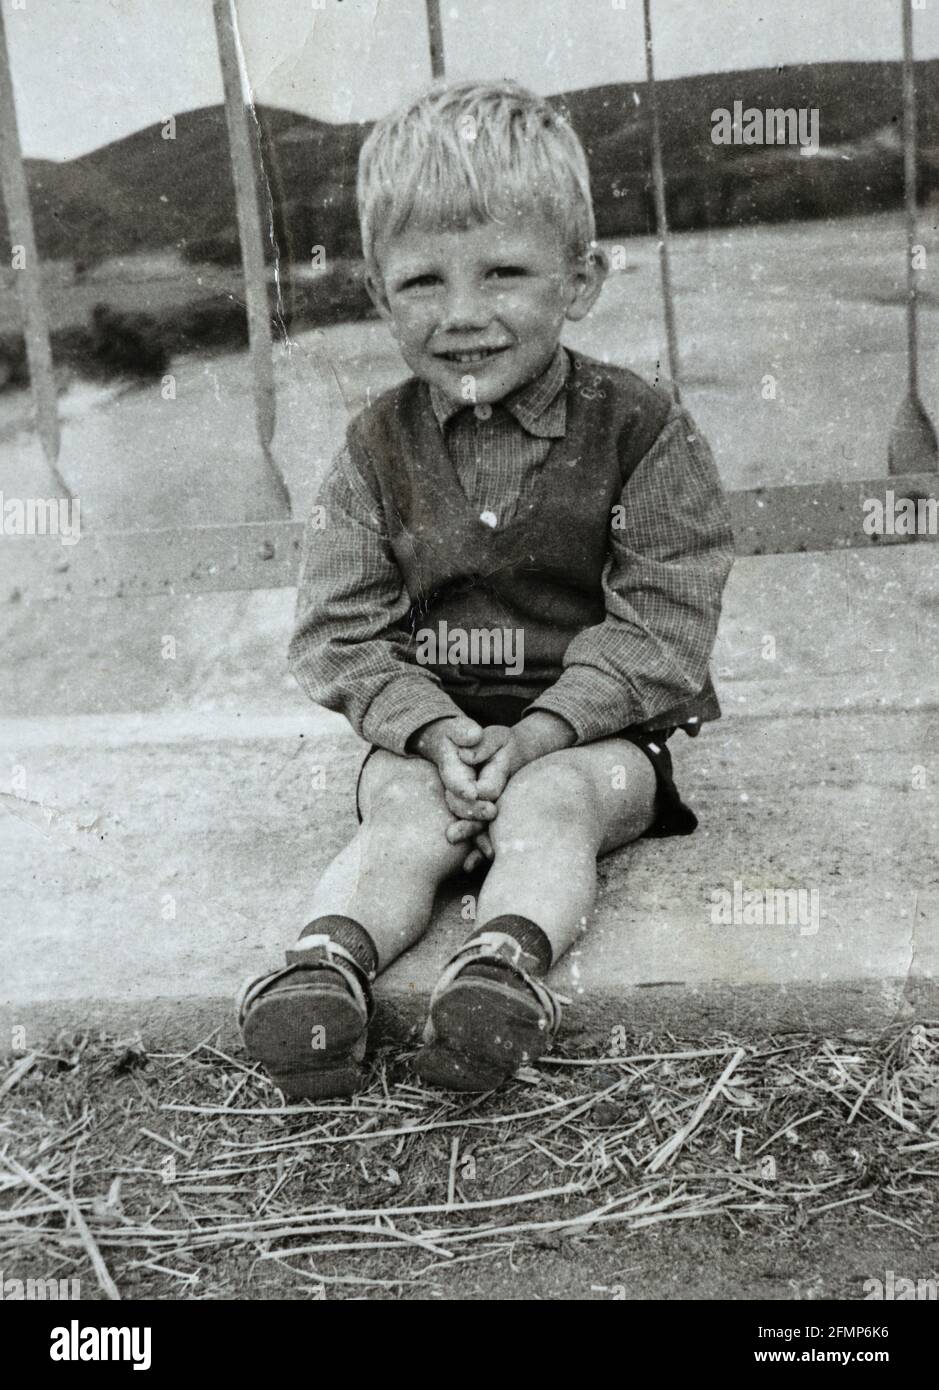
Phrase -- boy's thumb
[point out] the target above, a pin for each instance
(465, 732)
(482, 751)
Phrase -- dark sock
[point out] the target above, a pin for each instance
(348, 933)
(536, 956)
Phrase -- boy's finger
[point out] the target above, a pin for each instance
(493, 789)
(484, 844)
(480, 754)
(494, 738)
(457, 779)
(461, 830)
(468, 808)
(460, 806)
(459, 782)
(472, 861)
(491, 782)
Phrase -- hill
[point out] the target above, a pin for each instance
(149, 195)
(146, 192)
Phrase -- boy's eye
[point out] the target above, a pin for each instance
(418, 282)
(508, 272)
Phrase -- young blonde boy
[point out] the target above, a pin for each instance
(514, 600)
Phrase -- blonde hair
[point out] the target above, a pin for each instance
(459, 153)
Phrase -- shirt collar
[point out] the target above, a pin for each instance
(540, 406)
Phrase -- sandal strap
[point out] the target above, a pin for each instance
(497, 946)
(316, 953)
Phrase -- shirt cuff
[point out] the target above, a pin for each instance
(402, 707)
(594, 704)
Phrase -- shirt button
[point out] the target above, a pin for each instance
(489, 519)
(482, 412)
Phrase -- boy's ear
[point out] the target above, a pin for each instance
(589, 275)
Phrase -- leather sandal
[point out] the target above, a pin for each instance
(481, 1030)
(307, 1022)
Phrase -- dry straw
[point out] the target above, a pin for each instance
(143, 1175)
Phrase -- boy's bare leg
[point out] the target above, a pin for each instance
(387, 877)
(555, 817)
(307, 1024)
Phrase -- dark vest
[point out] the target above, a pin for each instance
(539, 574)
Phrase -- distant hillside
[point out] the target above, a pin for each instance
(860, 115)
(145, 193)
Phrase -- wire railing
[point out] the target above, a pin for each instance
(261, 555)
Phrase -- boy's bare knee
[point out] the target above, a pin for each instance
(550, 793)
(550, 781)
(405, 803)
(393, 784)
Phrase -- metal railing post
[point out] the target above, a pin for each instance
(913, 447)
(435, 34)
(661, 217)
(29, 277)
(245, 176)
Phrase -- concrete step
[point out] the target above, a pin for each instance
(145, 875)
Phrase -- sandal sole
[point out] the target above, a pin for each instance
(483, 1032)
(279, 1033)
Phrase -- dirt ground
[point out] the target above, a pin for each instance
(795, 1169)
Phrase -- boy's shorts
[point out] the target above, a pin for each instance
(672, 816)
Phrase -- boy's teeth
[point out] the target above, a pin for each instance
(463, 357)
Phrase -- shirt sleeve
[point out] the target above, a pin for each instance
(346, 652)
(671, 550)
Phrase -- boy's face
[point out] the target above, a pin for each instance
(478, 312)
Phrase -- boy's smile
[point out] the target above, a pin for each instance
(478, 312)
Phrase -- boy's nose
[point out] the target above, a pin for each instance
(463, 312)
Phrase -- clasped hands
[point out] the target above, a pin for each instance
(475, 765)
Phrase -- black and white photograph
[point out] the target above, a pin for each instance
(469, 696)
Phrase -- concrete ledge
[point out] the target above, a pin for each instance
(179, 1023)
(143, 881)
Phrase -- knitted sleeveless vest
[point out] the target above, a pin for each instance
(536, 580)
